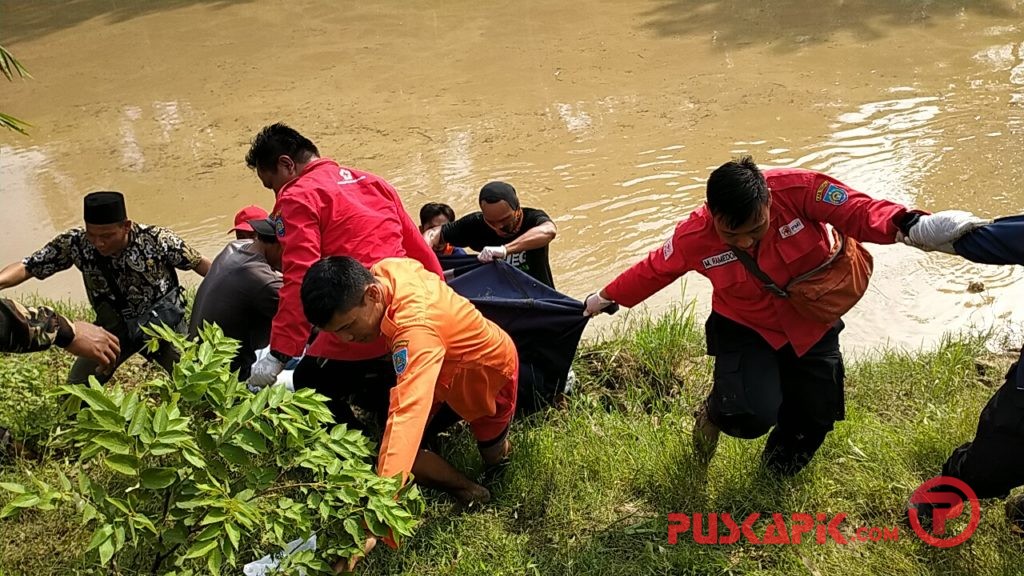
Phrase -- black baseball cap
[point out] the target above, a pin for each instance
(264, 227)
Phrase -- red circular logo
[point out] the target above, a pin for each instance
(941, 514)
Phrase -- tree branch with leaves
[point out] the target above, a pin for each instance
(10, 67)
(193, 473)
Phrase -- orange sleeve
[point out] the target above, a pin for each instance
(417, 355)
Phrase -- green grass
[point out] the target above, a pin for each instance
(590, 487)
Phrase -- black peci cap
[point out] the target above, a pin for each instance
(105, 208)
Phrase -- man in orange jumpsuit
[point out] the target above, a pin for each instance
(443, 351)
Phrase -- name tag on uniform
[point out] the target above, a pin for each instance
(791, 228)
(723, 258)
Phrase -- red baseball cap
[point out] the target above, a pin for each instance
(245, 214)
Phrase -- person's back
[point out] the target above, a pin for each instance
(239, 294)
(443, 351)
(323, 210)
(358, 215)
(473, 345)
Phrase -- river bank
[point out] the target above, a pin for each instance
(590, 487)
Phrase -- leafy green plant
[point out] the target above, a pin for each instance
(193, 472)
(9, 67)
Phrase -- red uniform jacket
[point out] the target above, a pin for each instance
(333, 211)
(803, 201)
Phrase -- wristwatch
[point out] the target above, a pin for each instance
(907, 221)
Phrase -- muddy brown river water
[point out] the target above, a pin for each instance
(608, 114)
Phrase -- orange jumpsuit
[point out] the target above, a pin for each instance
(443, 350)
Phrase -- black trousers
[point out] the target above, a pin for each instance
(758, 389)
(992, 463)
(165, 356)
(366, 384)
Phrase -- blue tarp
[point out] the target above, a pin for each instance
(545, 324)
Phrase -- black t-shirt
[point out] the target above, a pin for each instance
(471, 230)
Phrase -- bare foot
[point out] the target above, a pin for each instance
(349, 566)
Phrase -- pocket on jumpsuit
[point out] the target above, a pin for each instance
(747, 392)
(729, 390)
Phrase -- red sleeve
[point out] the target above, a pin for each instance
(417, 360)
(661, 267)
(300, 243)
(412, 240)
(852, 212)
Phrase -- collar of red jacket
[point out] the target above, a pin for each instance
(314, 165)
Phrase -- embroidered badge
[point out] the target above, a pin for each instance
(278, 224)
(666, 250)
(723, 258)
(400, 359)
(820, 191)
(835, 195)
(791, 228)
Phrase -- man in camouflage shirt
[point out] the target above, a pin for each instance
(129, 274)
(37, 328)
(28, 329)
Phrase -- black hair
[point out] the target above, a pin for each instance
(334, 284)
(494, 192)
(432, 210)
(737, 191)
(278, 140)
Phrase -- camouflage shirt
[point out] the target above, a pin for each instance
(144, 270)
(28, 329)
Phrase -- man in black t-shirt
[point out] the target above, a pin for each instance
(502, 230)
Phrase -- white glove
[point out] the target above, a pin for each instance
(264, 372)
(595, 304)
(938, 231)
(491, 253)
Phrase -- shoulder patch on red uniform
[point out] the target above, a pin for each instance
(278, 224)
(666, 250)
(835, 195)
(820, 192)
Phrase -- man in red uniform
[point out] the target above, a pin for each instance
(774, 369)
(323, 209)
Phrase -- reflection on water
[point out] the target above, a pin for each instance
(883, 147)
(132, 157)
(611, 123)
